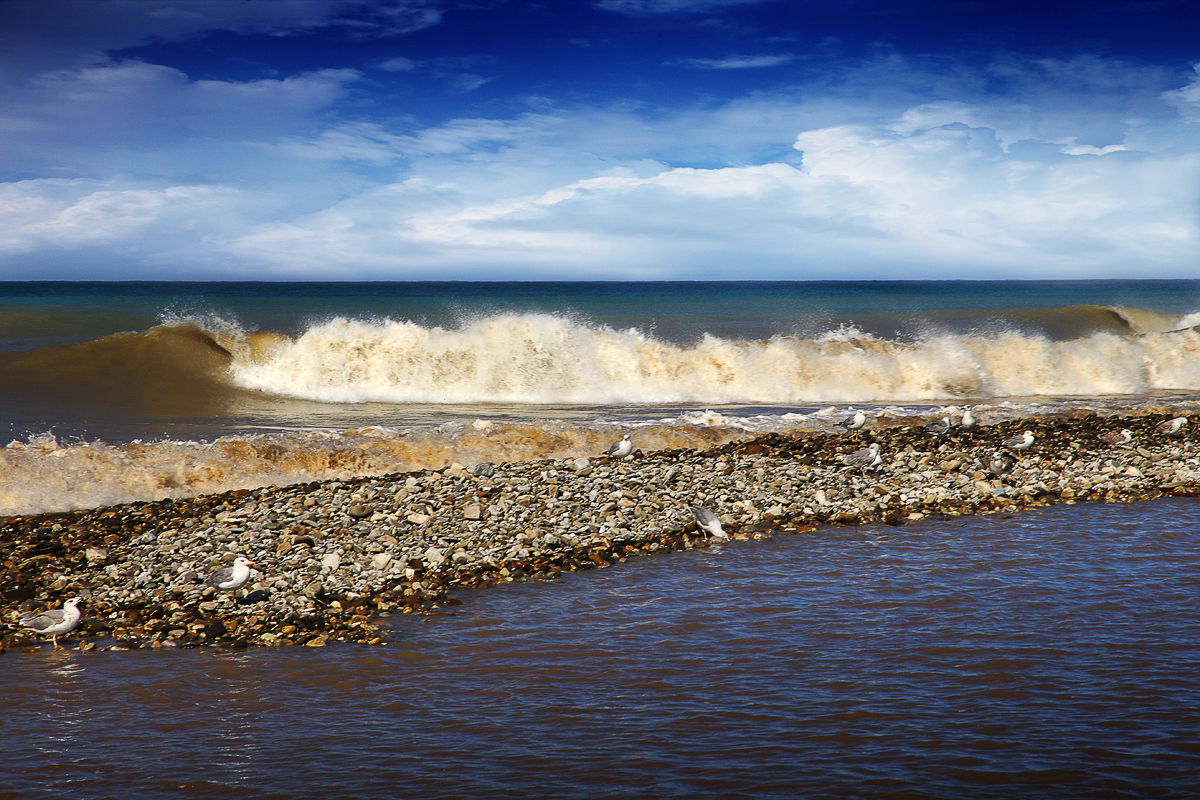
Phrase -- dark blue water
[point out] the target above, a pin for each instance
(1055, 654)
(49, 313)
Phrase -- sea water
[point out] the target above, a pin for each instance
(115, 392)
(1051, 654)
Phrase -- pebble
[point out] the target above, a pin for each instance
(334, 558)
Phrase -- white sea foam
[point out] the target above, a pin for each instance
(43, 474)
(544, 359)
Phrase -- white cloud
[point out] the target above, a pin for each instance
(59, 218)
(891, 170)
(1187, 99)
(107, 120)
(736, 62)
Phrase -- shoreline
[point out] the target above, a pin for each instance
(335, 558)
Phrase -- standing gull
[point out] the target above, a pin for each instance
(708, 522)
(864, 459)
(854, 422)
(968, 419)
(55, 622)
(1022, 441)
(233, 577)
(1172, 427)
(620, 449)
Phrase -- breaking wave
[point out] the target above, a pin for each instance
(545, 359)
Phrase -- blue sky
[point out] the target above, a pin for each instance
(598, 139)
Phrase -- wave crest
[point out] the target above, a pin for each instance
(543, 359)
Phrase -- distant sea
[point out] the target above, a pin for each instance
(125, 391)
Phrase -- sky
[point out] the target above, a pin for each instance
(598, 139)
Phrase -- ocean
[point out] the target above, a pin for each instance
(117, 392)
(1048, 654)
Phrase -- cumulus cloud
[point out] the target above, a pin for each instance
(1081, 168)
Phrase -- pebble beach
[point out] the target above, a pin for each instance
(332, 560)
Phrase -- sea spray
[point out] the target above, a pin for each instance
(543, 359)
(43, 474)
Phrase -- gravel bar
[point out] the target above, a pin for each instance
(334, 559)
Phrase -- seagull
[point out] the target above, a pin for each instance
(708, 522)
(854, 422)
(1114, 438)
(55, 622)
(968, 419)
(864, 459)
(939, 427)
(1020, 442)
(1172, 427)
(620, 449)
(1001, 463)
(231, 578)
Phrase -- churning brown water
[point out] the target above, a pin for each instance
(1055, 654)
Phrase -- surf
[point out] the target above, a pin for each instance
(546, 359)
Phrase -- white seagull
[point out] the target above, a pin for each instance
(854, 422)
(1172, 427)
(864, 459)
(55, 622)
(708, 522)
(620, 449)
(1001, 463)
(968, 419)
(231, 578)
(1021, 441)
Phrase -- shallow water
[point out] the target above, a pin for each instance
(1051, 654)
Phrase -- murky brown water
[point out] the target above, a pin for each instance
(1050, 655)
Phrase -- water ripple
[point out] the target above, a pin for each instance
(1049, 655)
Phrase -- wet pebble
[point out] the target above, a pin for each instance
(332, 557)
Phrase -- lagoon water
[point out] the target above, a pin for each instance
(1053, 654)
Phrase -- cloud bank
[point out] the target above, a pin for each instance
(891, 167)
